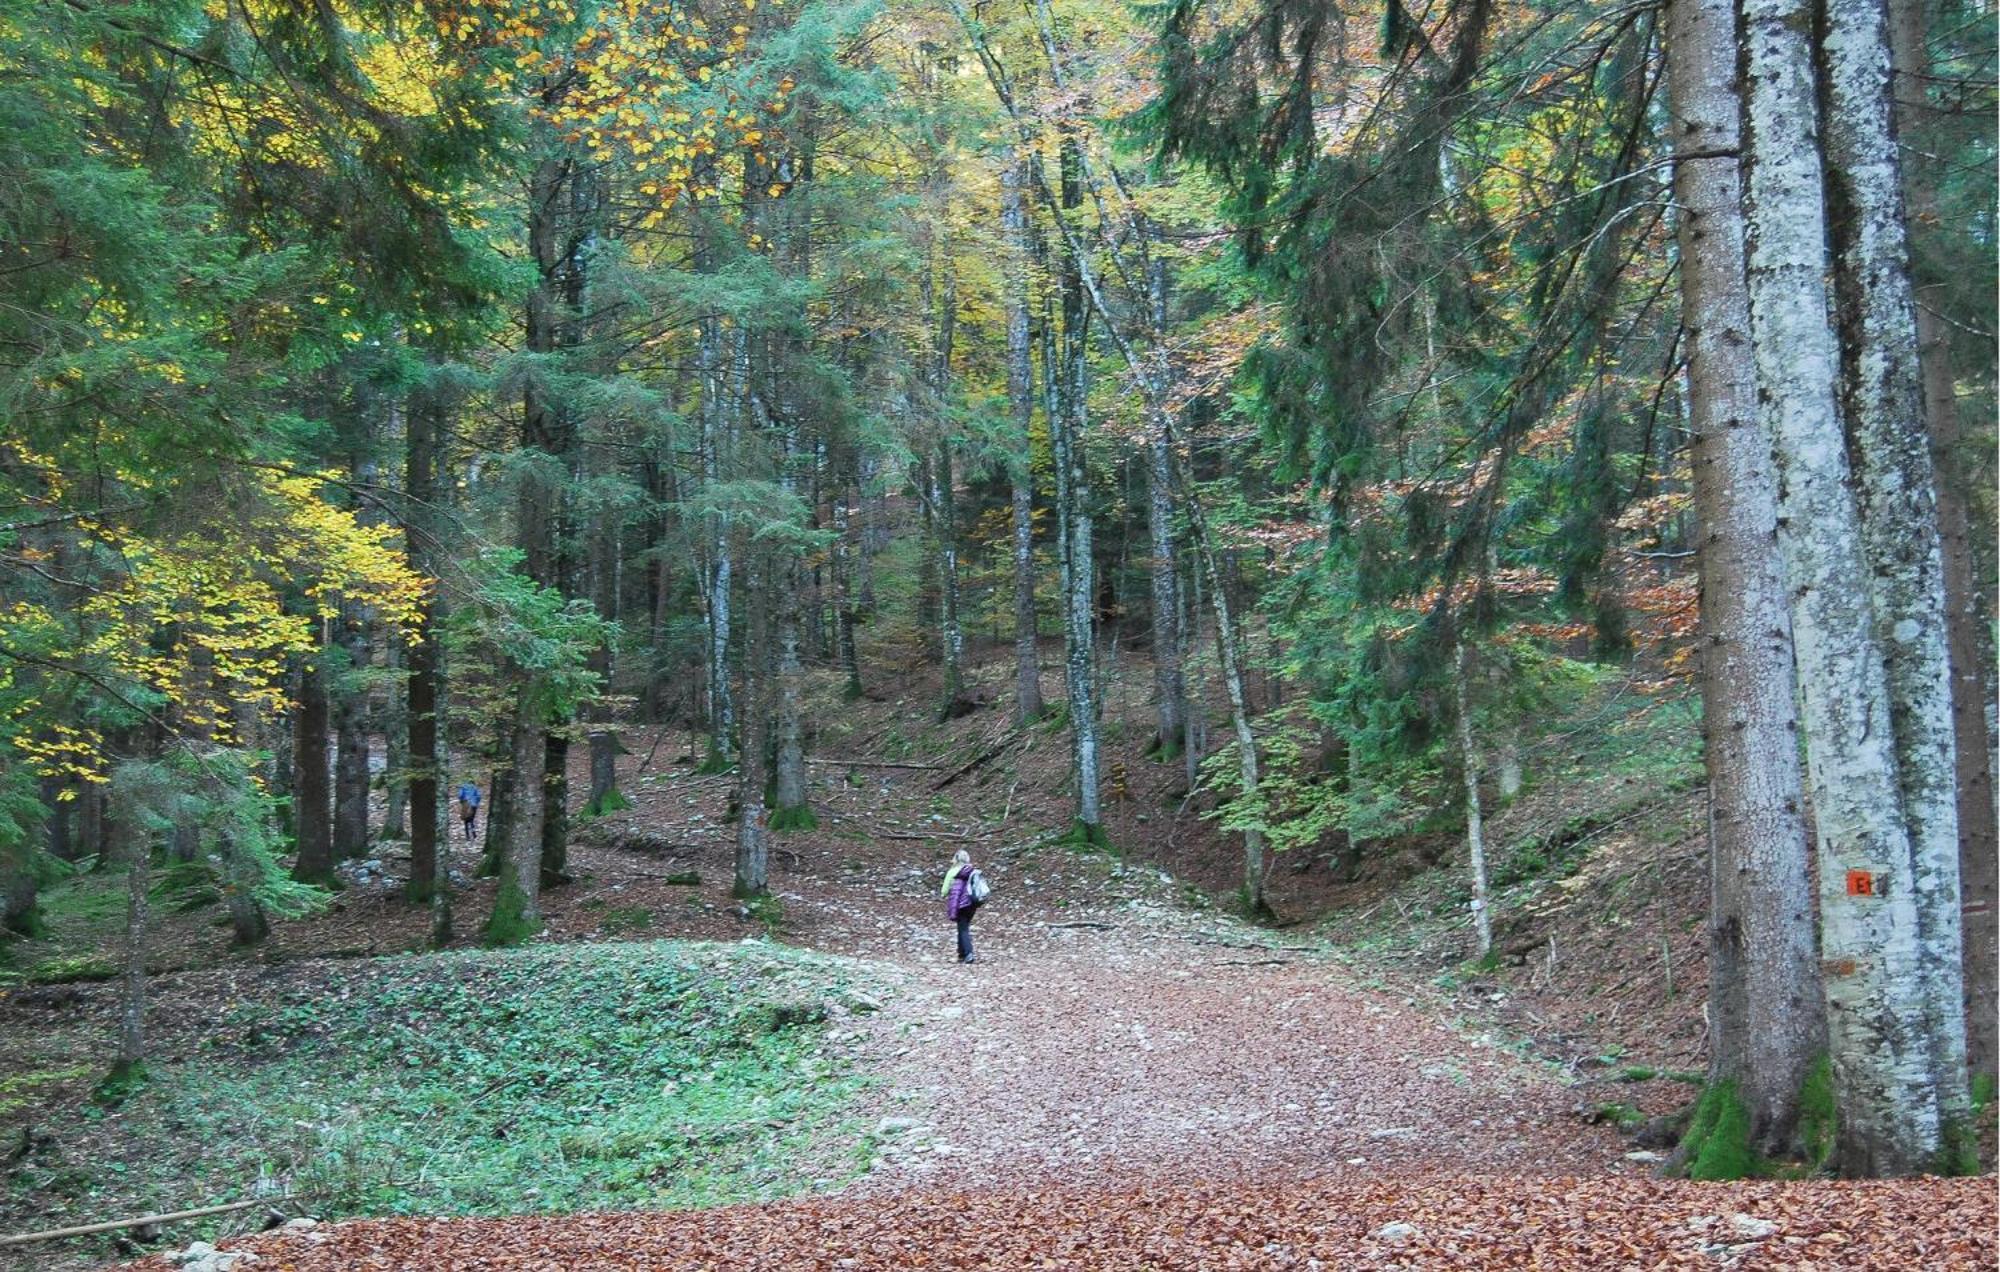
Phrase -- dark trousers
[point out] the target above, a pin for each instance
(964, 936)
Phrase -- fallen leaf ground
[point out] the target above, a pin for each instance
(1125, 1078)
(1243, 1221)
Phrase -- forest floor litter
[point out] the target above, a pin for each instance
(1127, 1078)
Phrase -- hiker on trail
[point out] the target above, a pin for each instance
(468, 806)
(964, 891)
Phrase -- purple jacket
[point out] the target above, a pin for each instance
(958, 899)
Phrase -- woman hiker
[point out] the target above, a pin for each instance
(958, 903)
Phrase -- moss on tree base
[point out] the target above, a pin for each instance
(715, 763)
(612, 801)
(511, 921)
(1819, 1116)
(800, 818)
(1717, 1145)
(1087, 837)
(125, 1080)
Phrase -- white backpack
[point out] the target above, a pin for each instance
(977, 888)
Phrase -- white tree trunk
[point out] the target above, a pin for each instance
(714, 440)
(1765, 1019)
(753, 850)
(1882, 391)
(1169, 683)
(1876, 1006)
(1079, 596)
(1021, 398)
(1978, 825)
(789, 781)
(1475, 828)
(942, 497)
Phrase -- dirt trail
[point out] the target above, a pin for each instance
(1152, 1046)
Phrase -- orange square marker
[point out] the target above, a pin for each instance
(1860, 883)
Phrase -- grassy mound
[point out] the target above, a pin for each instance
(549, 1079)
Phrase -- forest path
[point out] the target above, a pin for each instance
(1114, 1021)
(1139, 1096)
(1158, 1044)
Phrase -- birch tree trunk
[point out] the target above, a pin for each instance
(1475, 828)
(1882, 394)
(1254, 865)
(1877, 1011)
(1764, 1018)
(1971, 689)
(1028, 704)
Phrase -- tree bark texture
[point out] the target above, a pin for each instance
(752, 826)
(312, 791)
(425, 656)
(1066, 428)
(1971, 683)
(1475, 826)
(1882, 395)
(1169, 683)
(396, 747)
(524, 829)
(1764, 1011)
(1028, 704)
(350, 768)
(1870, 945)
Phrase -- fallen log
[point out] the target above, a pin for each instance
(975, 762)
(891, 764)
(84, 1230)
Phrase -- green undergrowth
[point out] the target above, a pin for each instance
(551, 1079)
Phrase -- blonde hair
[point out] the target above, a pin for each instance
(963, 858)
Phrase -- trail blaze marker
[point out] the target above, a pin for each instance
(1861, 883)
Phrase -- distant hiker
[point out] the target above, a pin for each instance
(964, 892)
(468, 806)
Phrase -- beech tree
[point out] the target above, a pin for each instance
(1879, 882)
